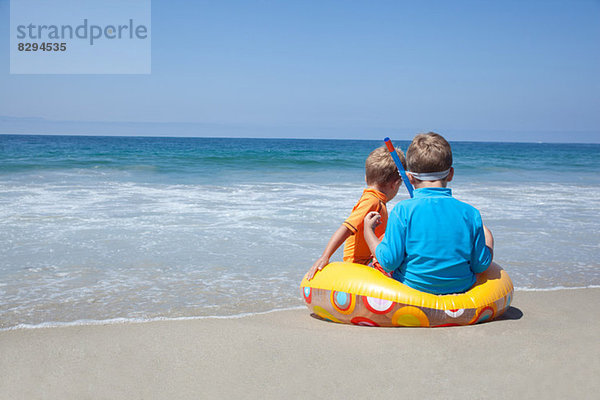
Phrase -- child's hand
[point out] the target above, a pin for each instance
(372, 220)
(317, 266)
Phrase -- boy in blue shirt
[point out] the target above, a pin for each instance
(433, 242)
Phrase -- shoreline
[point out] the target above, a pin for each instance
(545, 346)
(125, 320)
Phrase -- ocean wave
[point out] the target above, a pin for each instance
(137, 228)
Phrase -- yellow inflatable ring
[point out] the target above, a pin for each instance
(357, 294)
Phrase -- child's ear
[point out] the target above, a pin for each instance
(450, 175)
(411, 178)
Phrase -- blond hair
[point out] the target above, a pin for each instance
(380, 167)
(429, 152)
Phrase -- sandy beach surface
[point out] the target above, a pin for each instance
(546, 346)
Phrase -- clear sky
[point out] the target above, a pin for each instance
(472, 70)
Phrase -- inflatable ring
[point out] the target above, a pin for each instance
(361, 295)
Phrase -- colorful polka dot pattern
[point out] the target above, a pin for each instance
(321, 312)
(307, 293)
(362, 321)
(378, 306)
(343, 302)
(410, 316)
(354, 309)
(456, 313)
(486, 313)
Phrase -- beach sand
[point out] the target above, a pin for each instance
(547, 346)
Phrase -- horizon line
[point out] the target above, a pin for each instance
(276, 138)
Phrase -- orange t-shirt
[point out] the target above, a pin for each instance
(356, 249)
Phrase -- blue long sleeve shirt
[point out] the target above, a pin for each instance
(434, 243)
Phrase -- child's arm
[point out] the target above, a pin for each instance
(483, 249)
(335, 242)
(372, 221)
(489, 239)
(390, 250)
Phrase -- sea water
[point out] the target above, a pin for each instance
(132, 228)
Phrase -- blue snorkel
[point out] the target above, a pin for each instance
(392, 151)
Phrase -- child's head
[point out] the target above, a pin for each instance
(381, 171)
(428, 154)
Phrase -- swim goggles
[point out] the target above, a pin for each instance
(430, 176)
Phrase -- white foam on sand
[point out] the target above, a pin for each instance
(116, 321)
(555, 288)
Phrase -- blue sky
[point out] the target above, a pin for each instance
(472, 70)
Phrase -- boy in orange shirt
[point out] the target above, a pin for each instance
(383, 182)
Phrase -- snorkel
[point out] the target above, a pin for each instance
(392, 151)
